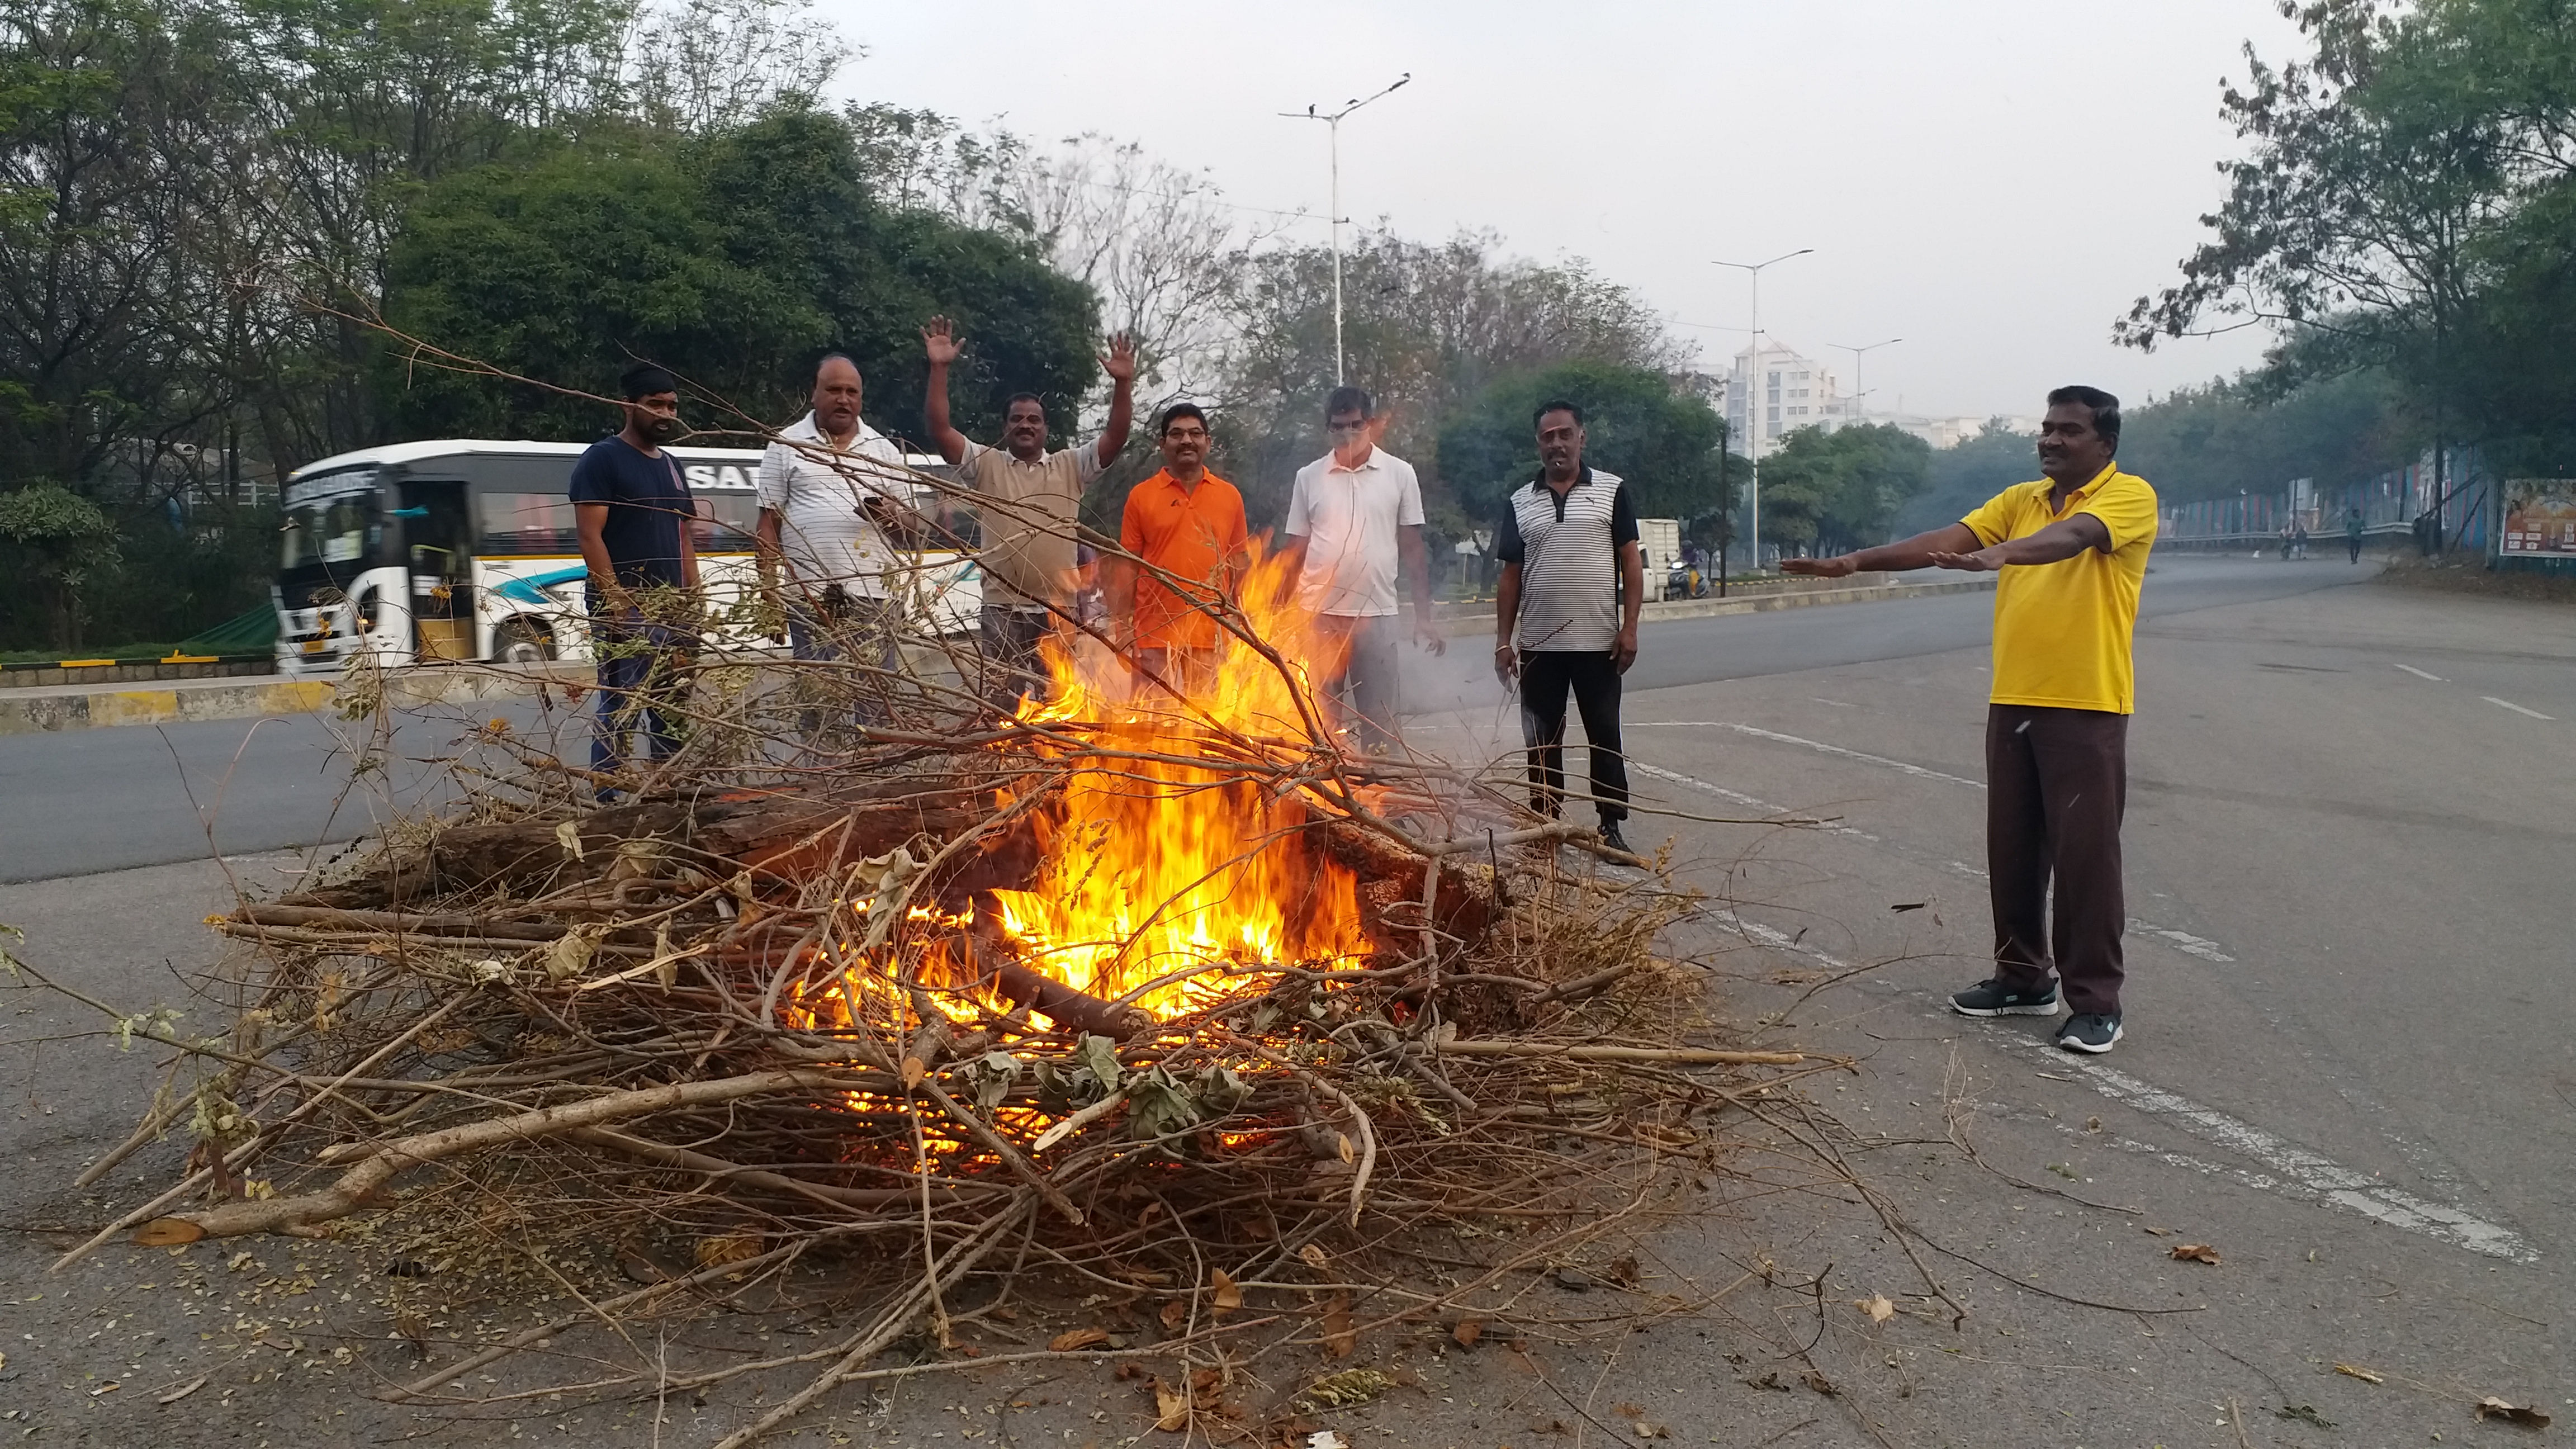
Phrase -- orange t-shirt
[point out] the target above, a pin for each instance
(1191, 533)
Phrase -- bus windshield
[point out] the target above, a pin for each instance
(328, 527)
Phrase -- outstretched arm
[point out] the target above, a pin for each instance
(1120, 364)
(2061, 540)
(1913, 553)
(937, 341)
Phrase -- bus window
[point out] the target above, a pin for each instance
(327, 531)
(525, 523)
(725, 522)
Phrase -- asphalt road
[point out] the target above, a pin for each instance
(87, 801)
(2348, 1071)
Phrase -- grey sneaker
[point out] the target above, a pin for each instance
(1992, 997)
(2090, 1031)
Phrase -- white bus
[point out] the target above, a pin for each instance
(464, 549)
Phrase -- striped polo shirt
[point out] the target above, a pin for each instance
(1567, 545)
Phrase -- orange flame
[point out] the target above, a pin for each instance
(1163, 865)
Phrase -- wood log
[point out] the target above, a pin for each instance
(1465, 906)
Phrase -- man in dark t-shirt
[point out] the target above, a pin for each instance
(633, 511)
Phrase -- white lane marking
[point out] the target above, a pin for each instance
(2293, 1171)
(2183, 941)
(2311, 1173)
(1757, 932)
(2420, 674)
(1963, 868)
(1899, 766)
(2517, 709)
(1747, 801)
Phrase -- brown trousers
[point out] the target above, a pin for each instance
(2057, 783)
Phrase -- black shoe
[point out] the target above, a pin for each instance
(1993, 998)
(2090, 1031)
(1612, 840)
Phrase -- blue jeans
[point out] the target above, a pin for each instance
(634, 685)
(864, 629)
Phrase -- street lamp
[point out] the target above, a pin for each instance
(1333, 120)
(1859, 395)
(1753, 404)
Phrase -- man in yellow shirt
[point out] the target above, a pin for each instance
(2072, 551)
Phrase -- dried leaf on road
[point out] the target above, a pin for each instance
(2356, 1371)
(1820, 1383)
(1227, 1297)
(1649, 1429)
(2196, 1253)
(1468, 1331)
(181, 1392)
(1350, 1386)
(1174, 1314)
(1876, 1306)
(167, 1233)
(1074, 1340)
(730, 1248)
(1312, 1256)
(2495, 1408)
(1171, 1408)
(1623, 1271)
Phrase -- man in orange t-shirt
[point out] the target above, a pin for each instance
(1187, 524)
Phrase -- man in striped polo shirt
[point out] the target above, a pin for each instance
(1566, 615)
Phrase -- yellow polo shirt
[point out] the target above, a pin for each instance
(2062, 629)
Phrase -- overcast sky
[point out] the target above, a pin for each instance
(1992, 180)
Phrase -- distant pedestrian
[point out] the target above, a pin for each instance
(1566, 617)
(2352, 527)
(1187, 526)
(2072, 551)
(1028, 551)
(2299, 540)
(1354, 524)
(831, 488)
(631, 512)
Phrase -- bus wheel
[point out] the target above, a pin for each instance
(521, 642)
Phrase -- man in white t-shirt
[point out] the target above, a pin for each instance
(1354, 515)
(1031, 572)
(830, 486)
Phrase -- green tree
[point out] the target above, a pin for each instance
(2402, 211)
(735, 260)
(55, 542)
(1831, 491)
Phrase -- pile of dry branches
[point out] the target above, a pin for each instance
(765, 1013)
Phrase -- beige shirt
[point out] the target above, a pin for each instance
(1028, 541)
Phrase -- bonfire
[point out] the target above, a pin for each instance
(1131, 986)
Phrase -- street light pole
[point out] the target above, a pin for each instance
(1859, 394)
(1333, 122)
(1753, 403)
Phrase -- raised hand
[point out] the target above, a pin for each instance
(938, 340)
(1120, 364)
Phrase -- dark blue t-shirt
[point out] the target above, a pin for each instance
(647, 506)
